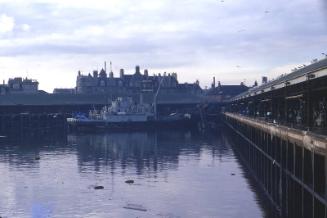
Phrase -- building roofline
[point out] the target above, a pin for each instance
(312, 71)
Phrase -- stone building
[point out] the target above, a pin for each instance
(20, 85)
(64, 91)
(130, 84)
(222, 93)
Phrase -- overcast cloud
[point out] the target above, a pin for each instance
(234, 40)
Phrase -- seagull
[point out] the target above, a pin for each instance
(266, 12)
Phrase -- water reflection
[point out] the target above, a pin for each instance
(176, 174)
(150, 151)
(24, 151)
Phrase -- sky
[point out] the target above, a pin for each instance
(233, 40)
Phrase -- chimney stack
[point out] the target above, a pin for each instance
(121, 73)
(95, 73)
(264, 80)
(137, 70)
(146, 73)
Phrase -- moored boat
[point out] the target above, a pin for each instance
(125, 114)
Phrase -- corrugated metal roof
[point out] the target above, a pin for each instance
(322, 64)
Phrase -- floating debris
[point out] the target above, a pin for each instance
(167, 215)
(130, 181)
(37, 158)
(98, 187)
(135, 207)
(232, 174)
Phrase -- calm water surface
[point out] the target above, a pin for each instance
(175, 173)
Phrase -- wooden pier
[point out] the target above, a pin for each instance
(290, 164)
(281, 129)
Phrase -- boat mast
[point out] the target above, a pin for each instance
(155, 99)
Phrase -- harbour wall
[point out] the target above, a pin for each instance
(69, 103)
(31, 125)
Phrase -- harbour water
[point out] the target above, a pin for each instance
(174, 173)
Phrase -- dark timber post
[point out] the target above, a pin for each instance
(308, 103)
(285, 101)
